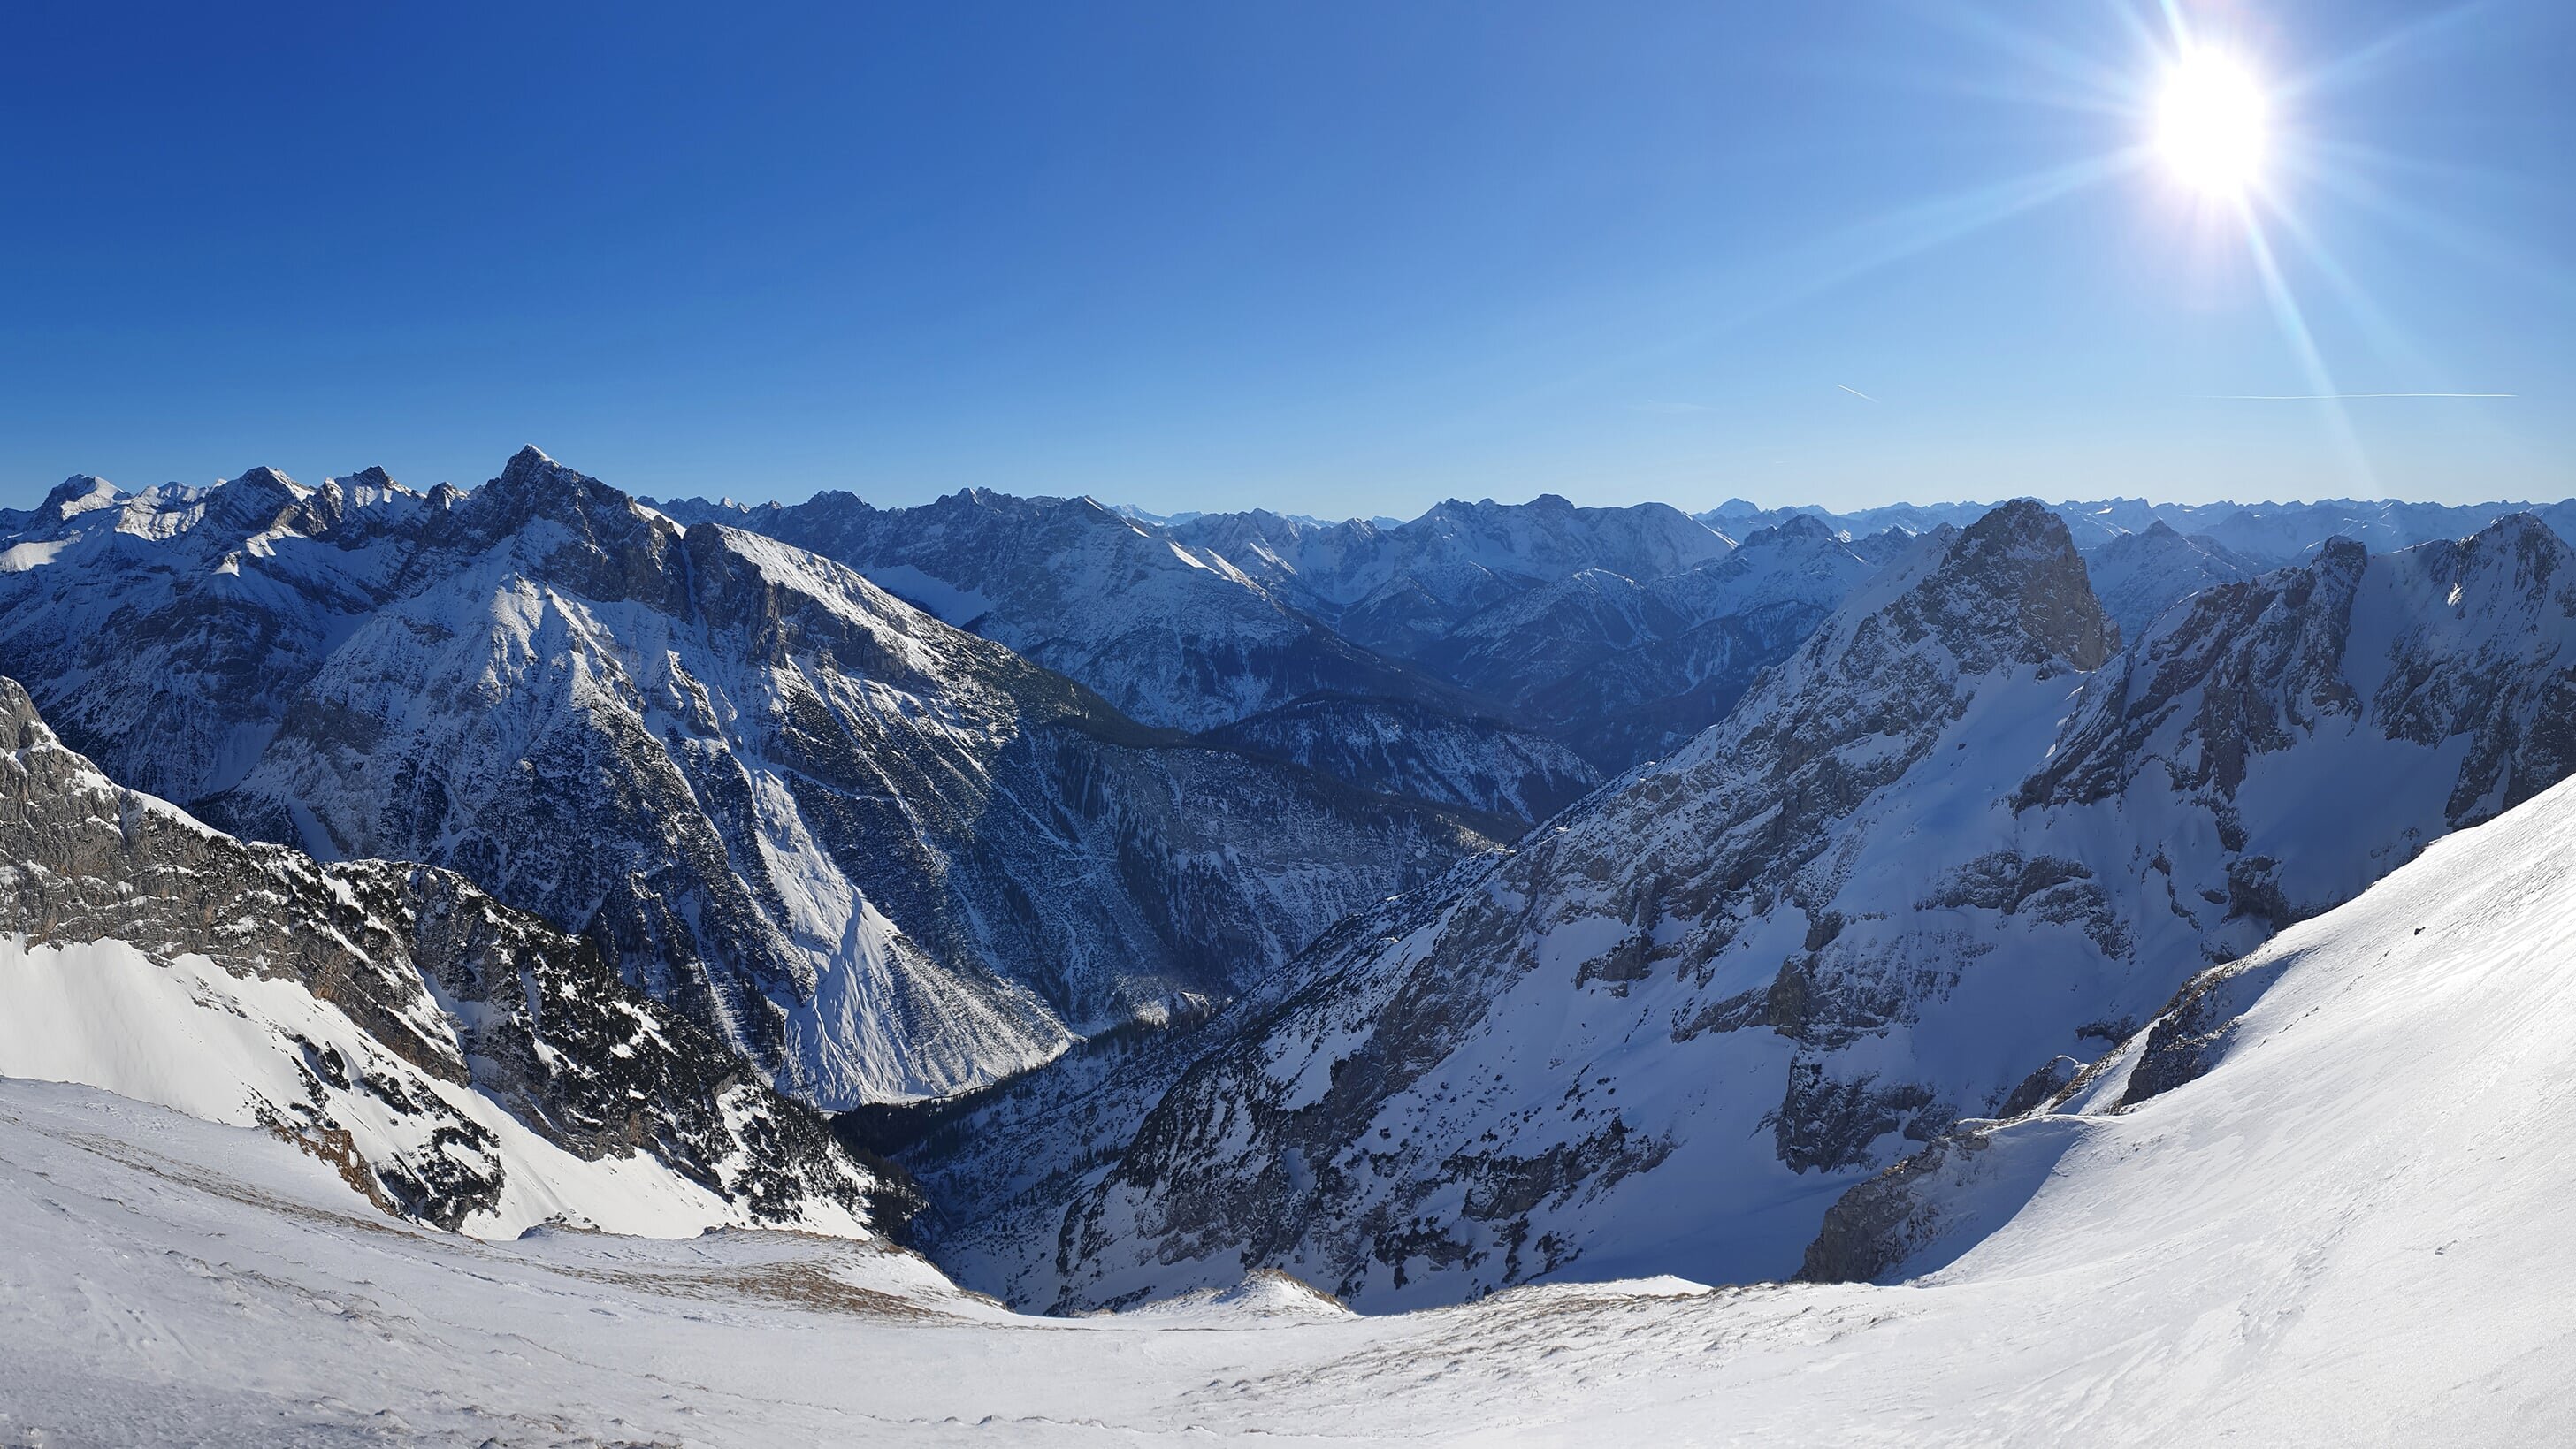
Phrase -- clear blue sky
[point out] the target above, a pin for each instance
(1330, 258)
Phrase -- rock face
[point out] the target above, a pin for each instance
(1947, 845)
(880, 856)
(1630, 669)
(460, 1062)
(1400, 589)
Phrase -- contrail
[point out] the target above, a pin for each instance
(2332, 396)
(1856, 392)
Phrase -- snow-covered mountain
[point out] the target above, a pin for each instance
(1934, 862)
(881, 856)
(2138, 576)
(455, 1061)
(1172, 635)
(1629, 668)
(2347, 1231)
(165, 630)
(1399, 589)
(1175, 635)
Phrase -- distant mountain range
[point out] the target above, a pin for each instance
(2268, 534)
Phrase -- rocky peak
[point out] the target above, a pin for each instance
(1883, 545)
(2518, 546)
(532, 485)
(529, 464)
(21, 728)
(79, 493)
(602, 545)
(330, 506)
(2341, 555)
(2017, 568)
(268, 479)
(255, 502)
(1805, 526)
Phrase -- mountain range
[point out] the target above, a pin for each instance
(1112, 906)
(2302, 1205)
(881, 856)
(1928, 870)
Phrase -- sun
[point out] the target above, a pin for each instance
(2211, 124)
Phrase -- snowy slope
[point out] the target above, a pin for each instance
(2335, 1161)
(2349, 1231)
(1936, 859)
(453, 1061)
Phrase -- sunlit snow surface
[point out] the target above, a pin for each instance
(192, 1036)
(2352, 1230)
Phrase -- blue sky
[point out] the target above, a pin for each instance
(1328, 258)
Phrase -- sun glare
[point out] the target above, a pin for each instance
(2210, 124)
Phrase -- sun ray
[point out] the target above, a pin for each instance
(2382, 331)
(2363, 62)
(2355, 158)
(2294, 329)
(2461, 243)
(1743, 296)
(2064, 61)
